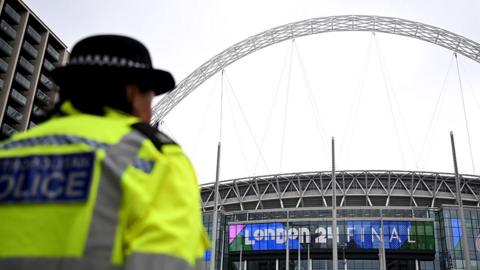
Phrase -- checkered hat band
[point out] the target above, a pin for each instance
(106, 60)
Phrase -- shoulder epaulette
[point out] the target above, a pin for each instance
(157, 137)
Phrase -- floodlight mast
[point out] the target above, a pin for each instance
(465, 251)
(334, 211)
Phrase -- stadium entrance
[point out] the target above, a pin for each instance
(326, 264)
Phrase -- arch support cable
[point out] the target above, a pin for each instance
(465, 114)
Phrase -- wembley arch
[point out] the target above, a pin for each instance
(260, 215)
(390, 25)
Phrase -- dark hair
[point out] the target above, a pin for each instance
(93, 95)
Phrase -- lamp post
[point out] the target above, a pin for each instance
(334, 211)
(241, 249)
(299, 262)
(310, 238)
(309, 263)
(287, 247)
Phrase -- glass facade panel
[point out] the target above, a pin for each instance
(410, 243)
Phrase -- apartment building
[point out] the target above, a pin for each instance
(28, 52)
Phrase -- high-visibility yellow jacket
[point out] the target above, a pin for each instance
(97, 192)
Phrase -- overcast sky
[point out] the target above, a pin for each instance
(376, 94)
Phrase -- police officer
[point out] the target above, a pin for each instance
(95, 187)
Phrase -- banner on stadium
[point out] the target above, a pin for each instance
(399, 235)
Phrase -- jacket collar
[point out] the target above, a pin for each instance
(68, 109)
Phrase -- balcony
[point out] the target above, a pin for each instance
(24, 63)
(10, 31)
(13, 14)
(46, 81)
(42, 96)
(5, 47)
(8, 130)
(3, 65)
(34, 34)
(24, 82)
(37, 111)
(48, 65)
(54, 53)
(14, 114)
(30, 49)
(18, 97)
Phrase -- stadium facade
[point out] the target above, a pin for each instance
(266, 221)
(29, 50)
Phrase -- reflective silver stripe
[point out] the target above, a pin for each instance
(155, 261)
(144, 165)
(52, 140)
(52, 264)
(101, 236)
(201, 265)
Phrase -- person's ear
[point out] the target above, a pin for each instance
(131, 91)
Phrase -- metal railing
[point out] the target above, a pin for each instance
(8, 130)
(5, 47)
(14, 114)
(18, 97)
(53, 52)
(10, 31)
(24, 82)
(42, 96)
(26, 64)
(12, 13)
(34, 34)
(30, 49)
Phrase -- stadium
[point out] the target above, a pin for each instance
(384, 219)
(418, 212)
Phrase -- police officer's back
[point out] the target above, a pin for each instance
(96, 187)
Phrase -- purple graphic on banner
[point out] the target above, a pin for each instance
(270, 236)
(234, 231)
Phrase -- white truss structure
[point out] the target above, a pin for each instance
(354, 188)
(396, 26)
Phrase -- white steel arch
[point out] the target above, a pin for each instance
(390, 25)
